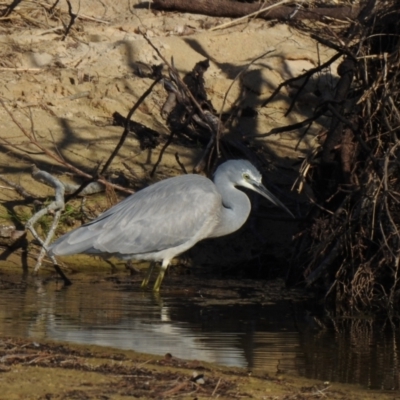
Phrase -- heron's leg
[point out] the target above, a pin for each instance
(148, 275)
(160, 276)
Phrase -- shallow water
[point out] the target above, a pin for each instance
(227, 322)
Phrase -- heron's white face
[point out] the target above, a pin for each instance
(250, 180)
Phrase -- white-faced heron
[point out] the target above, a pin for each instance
(169, 217)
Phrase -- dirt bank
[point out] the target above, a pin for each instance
(45, 370)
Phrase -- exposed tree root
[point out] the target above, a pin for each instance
(351, 245)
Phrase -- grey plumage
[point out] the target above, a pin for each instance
(169, 217)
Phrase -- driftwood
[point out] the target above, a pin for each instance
(56, 207)
(233, 9)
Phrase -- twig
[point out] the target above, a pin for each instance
(57, 158)
(341, 49)
(254, 14)
(201, 164)
(42, 148)
(176, 76)
(76, 96)
(18, 188)
(175, 389)
(216, 387)
(179, 163)
(21, 69)
(53, 7)
(72, 20)
(89, 18)
(127, 128)
(167, 143)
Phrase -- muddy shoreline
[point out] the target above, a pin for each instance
(49, 370)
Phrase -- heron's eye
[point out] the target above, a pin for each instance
(246, 176)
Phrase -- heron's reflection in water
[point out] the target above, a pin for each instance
(264, 338)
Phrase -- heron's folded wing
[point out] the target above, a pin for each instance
(164, 215)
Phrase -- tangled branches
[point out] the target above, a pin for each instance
(351, 245)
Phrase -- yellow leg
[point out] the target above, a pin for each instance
(148, 275)
(160, 276)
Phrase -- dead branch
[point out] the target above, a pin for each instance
(187, 102)
(339, 48)
(55, 208)
(248, 16)
(234, 9)
(174, 74)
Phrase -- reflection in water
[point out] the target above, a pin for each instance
(263, 338)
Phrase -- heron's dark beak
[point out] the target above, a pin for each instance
(261, 189)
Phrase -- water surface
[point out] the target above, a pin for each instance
(234, 323)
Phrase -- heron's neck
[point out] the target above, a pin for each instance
(235, 208)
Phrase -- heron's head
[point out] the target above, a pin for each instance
(244, 174)
(240, 173)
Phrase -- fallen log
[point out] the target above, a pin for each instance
(233, 9)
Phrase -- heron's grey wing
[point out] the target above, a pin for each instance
(164, 215)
